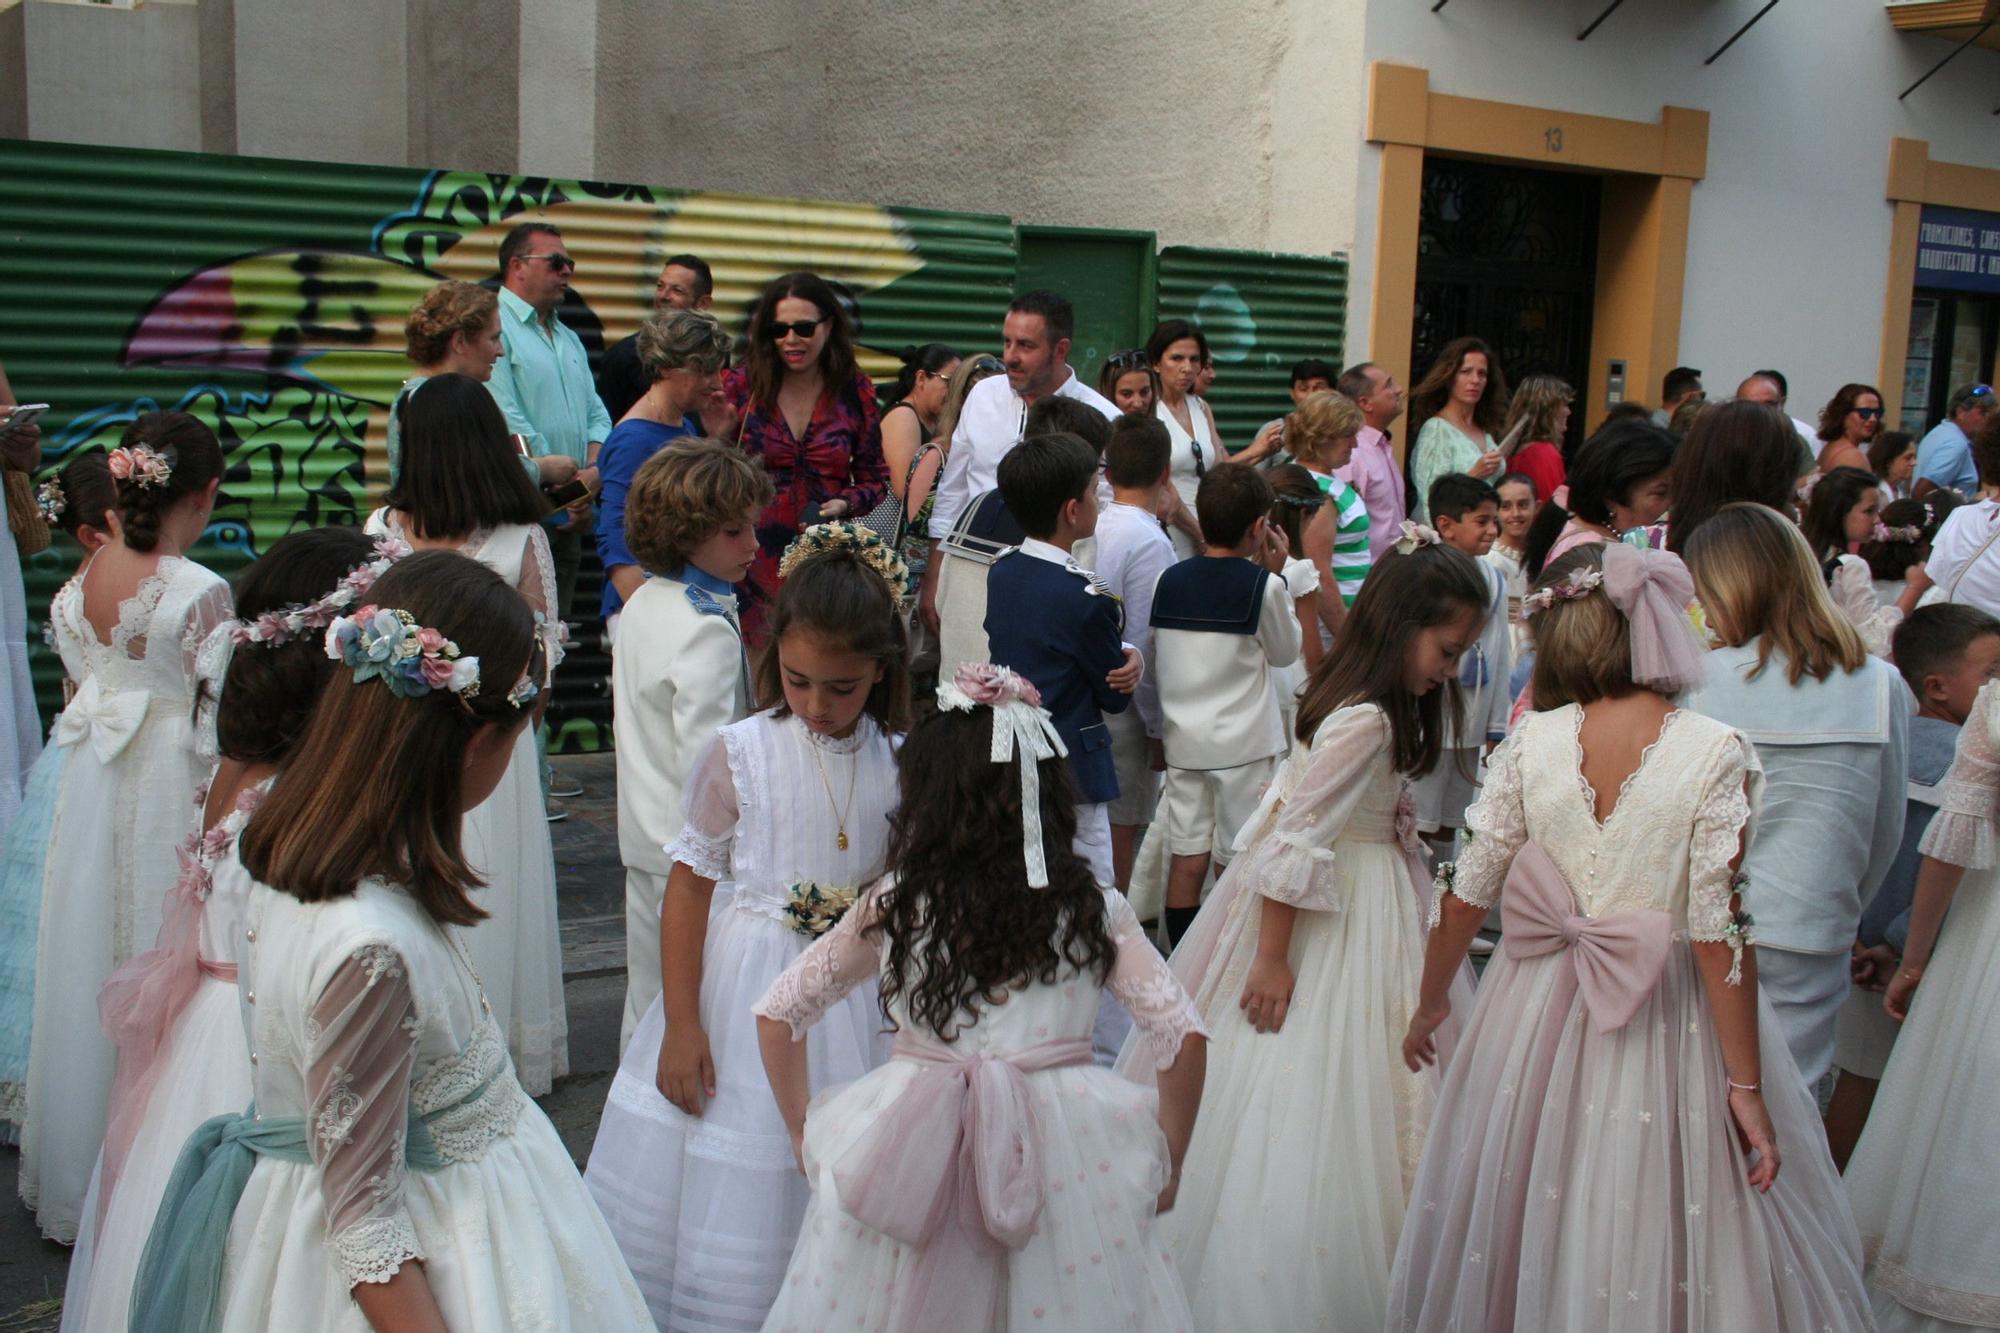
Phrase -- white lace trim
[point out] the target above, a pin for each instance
(381, 961)
(707, 857)
(333, 1123)
(464, 1132)
(1954, 1305)
(135, 613)
(1286, 870)
(372, 1250)
(1162, 1011)
(1718, 832)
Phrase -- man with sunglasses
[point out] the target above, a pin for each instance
(1035, 341)
(543, 383)
(1944, 457)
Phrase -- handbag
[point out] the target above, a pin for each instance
(887, 520)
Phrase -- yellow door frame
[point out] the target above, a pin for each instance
(1649, 175)
(1915, 180)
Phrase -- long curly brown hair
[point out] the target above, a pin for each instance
(964, 927)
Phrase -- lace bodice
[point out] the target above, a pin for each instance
(159, 632)
(759, 813)
(361, 1011)
(1667, 844)
(1031, 1016)
(517, 552)
(1962, 833)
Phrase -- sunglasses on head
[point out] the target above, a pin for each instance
(988, 365)
(560, 263)
(804, 328)
(1135, 359)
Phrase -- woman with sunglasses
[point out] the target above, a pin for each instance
(1175, 352)
(1129, 382)
(1847, 425)
(809, 415)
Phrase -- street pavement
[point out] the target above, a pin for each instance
(590, 906)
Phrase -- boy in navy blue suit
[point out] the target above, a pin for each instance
(1056, 624)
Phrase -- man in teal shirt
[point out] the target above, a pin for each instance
(543, 382)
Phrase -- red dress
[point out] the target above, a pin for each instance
(1542, 463)
(839, 458)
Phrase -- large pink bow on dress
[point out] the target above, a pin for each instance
(953, 1168)
(1618, 958)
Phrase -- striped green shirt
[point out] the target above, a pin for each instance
(1351, 561)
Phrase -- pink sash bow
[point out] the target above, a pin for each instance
(1618, 958)
(953, 1168)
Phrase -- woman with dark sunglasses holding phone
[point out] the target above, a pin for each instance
(1175, 351)
(809, 415)
(1849, 422)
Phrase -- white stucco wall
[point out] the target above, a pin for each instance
(1789, 236)
(323, 81)
(1233, 124)
(130, 78)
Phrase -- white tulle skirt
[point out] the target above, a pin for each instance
(706, 1209)
(517, 950)
(206, 1073)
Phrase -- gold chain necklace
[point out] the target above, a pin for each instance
(840, 813)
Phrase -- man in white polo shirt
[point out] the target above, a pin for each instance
(1035, 350)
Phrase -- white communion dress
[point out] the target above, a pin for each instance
(1055, 1227)
(126, 804)
(518, 947)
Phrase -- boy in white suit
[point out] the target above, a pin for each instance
(677, 670)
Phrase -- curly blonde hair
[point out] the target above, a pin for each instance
(684, 494)
(446, 309)
(1320, 420)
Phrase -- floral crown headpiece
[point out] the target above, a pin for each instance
(1415, 537)
(140, 464)
(413, 660)
(49, 500)
(294, 622)
(1306, 502)
(1020, 723)
(1580, 583)
(826, 538)
(1905, 535)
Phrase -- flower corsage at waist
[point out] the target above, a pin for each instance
(814, 909)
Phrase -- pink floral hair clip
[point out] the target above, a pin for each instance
(1020, 725)
(1905, 535)
(1415, 537)
(140, 464)
(293, 622)
(1580, 583)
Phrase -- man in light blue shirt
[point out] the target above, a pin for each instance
(1944, 457)
(543, 382)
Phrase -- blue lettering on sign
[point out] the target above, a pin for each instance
(1959, 249)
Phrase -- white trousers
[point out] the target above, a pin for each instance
(644, 892)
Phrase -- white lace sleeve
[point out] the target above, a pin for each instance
(1721, 828)
(821, 977)
(363, 1050)
(211, 667)
(210, 608)
(1495, 827)
(537, 584)
(1140, 980)
(1854, 592)
(1962, 832)
(1293, 862)
(711, 808)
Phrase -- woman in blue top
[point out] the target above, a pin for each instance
(682, 353)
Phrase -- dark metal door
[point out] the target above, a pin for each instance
(1509, 254)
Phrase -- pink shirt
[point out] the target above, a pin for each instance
(1372, 470)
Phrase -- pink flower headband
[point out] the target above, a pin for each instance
(1651, 589)
(1415, 537)
(1580, 583)
(1905, 535)
(140, 464)
(275, 627)
(1020, 723)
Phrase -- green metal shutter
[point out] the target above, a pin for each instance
(1261, 313)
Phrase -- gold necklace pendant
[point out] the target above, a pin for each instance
(840, 815)
(840, 840)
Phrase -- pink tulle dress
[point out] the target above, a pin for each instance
(999, 1181)
(1583, 1170)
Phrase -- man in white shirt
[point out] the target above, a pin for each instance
(1769, 388)
(1035, 340)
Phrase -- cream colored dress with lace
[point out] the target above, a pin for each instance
(518, 947)
(357, 1011)
(1927, 1171)
(1579, 1178)
(126, 803)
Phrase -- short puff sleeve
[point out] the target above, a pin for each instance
(1962, 832)
(1730, 793)
(1293, 862)
(361, 1057)
(712, 809)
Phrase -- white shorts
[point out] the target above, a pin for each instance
(1138, 784)
(1207, 807)
(1093, 842)
(1443, 794)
